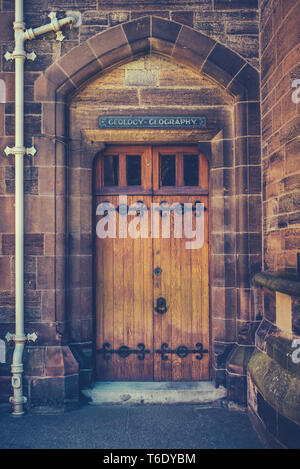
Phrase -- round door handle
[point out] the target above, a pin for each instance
(161, 306)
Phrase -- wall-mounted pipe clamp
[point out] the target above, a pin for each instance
(54, 25)
(21, 151)
(29, 56)
(26, 338)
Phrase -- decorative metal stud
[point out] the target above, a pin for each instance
(161, 306)
(30, 151)
(8, 56)
(31, 56)
(32, 337)
(122, 209)
(157, 271)
(54, 21)
(59, 36)
(140, 207)
(9, 337)
(8, 151)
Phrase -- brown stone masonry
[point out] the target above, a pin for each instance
(280, 132)
(200, 58)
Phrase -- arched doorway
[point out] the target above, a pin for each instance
(231, 143)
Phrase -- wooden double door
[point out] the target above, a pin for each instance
(151, 272)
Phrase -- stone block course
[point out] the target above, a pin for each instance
(183, 17)
(178, 97)
(6, 26)
(92, 17)
(165, 30)
(152, 4)
(249, 80)
(33, 244)
(199, 46)
(71, 4)
(5, 273)
(235, 4)
(114, 38)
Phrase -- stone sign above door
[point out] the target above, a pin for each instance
(152, 122)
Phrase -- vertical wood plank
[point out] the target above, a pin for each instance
(105, 293)
(122, 170)
(128, 364)
(179, 169)
(203, 172)
(156, 169)
(177, 288)
(147, 300)
(186, 302)
(147, 177)
(159, 374)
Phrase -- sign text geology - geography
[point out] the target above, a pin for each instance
(152, 122)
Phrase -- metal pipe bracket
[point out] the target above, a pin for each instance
(25, 151)
(28, 337)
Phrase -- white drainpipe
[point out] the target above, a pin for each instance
(19, 55)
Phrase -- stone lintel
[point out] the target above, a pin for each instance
(150, 135)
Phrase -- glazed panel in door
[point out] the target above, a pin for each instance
(182, 280)
(124, 298)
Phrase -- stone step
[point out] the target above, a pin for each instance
(123, 392)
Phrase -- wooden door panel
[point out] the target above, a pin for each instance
(128, 285)
(124, 302)
(183, 282)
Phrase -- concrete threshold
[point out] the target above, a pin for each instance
(133, 392)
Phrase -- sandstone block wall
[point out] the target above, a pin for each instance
(280, 65)
(234, 24)
(48, 237)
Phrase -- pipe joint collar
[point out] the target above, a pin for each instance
(20, 339)
(20, 54)
(29, 34)
(19, 25)
(17, 369)
(18, 400)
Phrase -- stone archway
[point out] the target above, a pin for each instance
(234, 259)
(139, 37)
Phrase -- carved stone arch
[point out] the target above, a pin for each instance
(142, 36)
(240, 203)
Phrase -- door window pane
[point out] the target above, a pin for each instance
(191, 170)
(167, 170)
(133, 170)
(111, 168)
